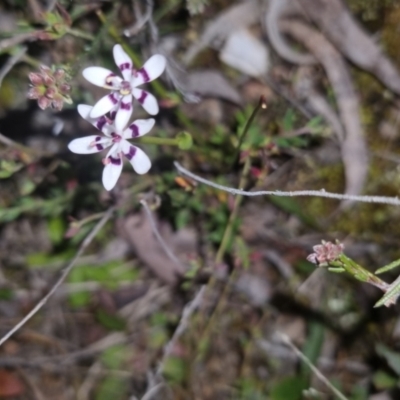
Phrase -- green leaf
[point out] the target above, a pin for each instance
(288, 389)
(175, 369)
(289, 120)
(45, 260)
(112, 387)
(391, 294)
(8, 168)
(6, 294)
(242, 251)
(293, 207)
(388, 267)
(110, 321)
(56, 229)
(116, 356)
(382, 380)
(182, 218)
(78, 299)
(392, 358)
(312, 346)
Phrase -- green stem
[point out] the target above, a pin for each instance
(261, 104)
(357, 271)
(227, 237)
(80, 34)
(158, 140)
(232, 218)
(31, 61)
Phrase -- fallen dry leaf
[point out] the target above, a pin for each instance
(354, 150)
(10, 384)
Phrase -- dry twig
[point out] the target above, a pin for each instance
(64, 274)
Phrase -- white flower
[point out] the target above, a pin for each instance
(117, 139)
(122, 90)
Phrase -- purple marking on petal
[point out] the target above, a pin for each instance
(135, 130)
(99, 146)
(131, 153)
(98, 138)
(112, 98)
(112, 115)
(143, 72)
(125, 106)
(115, 161)
(110, 78)
(100, 123)
(142, 97)
(124, 66)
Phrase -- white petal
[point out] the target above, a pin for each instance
(97, 75)
(138, 128)
(124, 113)
(84, 111)
(113, 169)
(147, 100)
(104, 105)
(123, 62)
(89, 144)
(102, 123)
(151, 70)
(138, 158)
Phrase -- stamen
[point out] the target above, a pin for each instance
(125, 88)
(95, 141)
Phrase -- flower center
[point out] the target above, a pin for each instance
(125, 88)
(116, 138)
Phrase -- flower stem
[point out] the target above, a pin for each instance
(261, 104)
(159, 141)
(227, 237)
(80, 34)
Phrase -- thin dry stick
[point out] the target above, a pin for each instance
(10, 63)
(189, 308)
(286, 340)
(188, 311)
(152, 392)
(394, 201)
(141, 20)
(156, 232)
(61, 279)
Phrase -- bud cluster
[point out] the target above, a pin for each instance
(50, 87)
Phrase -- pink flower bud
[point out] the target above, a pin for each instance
(59, 74)
(34, 93)
(50, 93)
(57, 103)
(44, 102)
(35, 78)
(65, 88)
(48, 80)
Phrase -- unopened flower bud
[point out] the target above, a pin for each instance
(57, 103)
(65, 88)
(35, 78)
(59, 74)
(44, 102)
(34, 93)
(325, 252)
(50, 93)
(48, 80)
